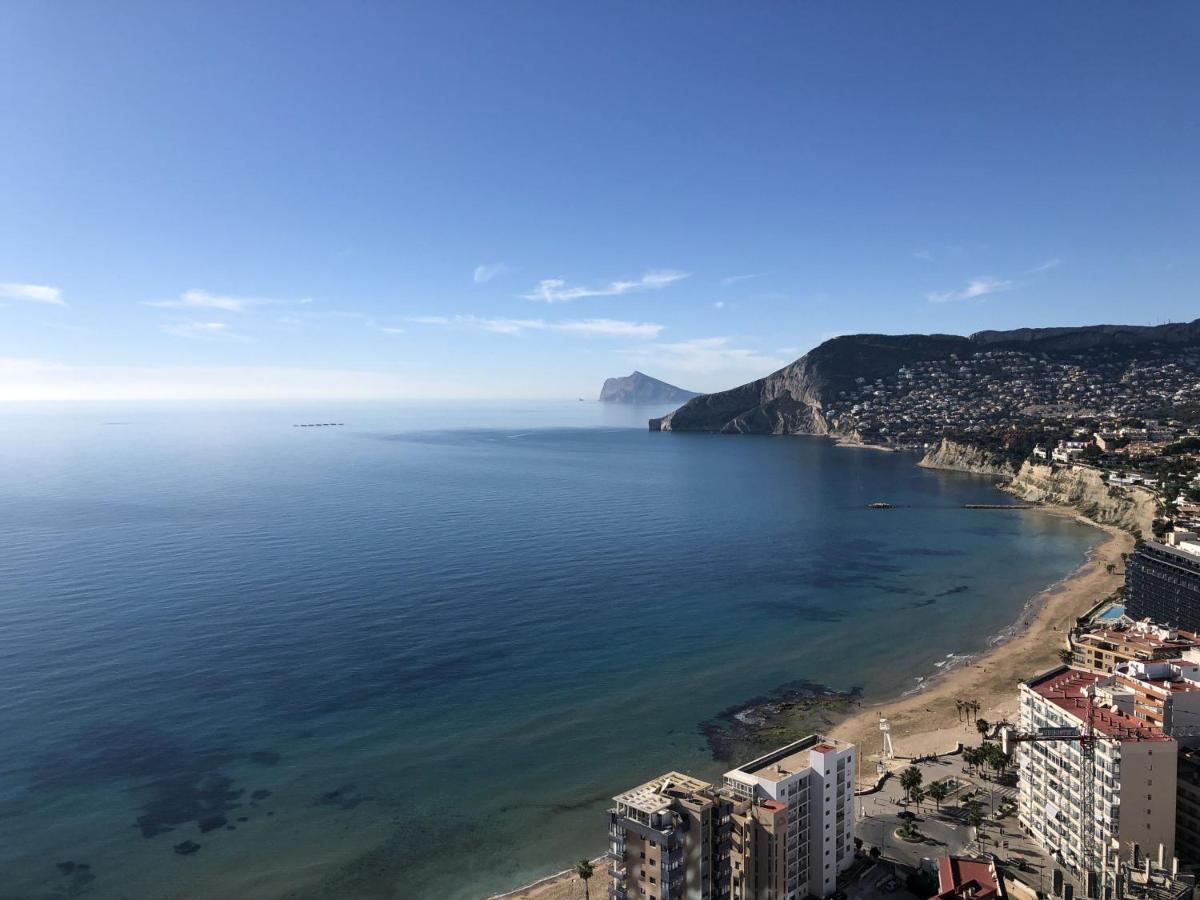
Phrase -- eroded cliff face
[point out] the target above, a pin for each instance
(785, 402)
(793, 400)
(1084, 489)
(957, 457)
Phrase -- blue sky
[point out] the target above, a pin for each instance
(469, 199)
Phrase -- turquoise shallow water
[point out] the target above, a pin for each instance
(439, 637)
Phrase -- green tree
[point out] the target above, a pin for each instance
(975, 816)
(1066, 656)
(983, 727)
(917, 794)
(997, 759)
(938, 792)
(910, 778)
(970, 756)
(584, 869)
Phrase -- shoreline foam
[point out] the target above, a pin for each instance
(924, 719)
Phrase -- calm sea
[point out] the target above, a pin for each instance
(414, 655)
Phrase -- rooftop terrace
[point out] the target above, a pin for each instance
(656, 796)
(791, 759)
(1070, 690)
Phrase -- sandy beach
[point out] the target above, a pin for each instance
(927, 721)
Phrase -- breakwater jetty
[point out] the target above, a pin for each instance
(999, 506)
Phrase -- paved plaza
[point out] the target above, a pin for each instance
(945, 830)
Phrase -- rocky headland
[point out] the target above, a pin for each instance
(959, 456)
(641, 388)
(817, 393)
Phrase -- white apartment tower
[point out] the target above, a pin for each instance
(778, 828)
(1091, 800)
(814, 779)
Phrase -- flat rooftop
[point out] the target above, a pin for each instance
(1134, 637)
(656, 796)
(1065, 688)
(791, 759)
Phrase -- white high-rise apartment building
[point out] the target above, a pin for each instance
(813, 779)
(778, 828)
(1092, 805)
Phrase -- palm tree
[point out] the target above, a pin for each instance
(938, 792)
(917, 794)
(1065, 656)
(975, 817)
(584, 870)
(983, 727)
(910, 778)
(958, 705)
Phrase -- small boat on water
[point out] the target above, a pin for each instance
(880, 505)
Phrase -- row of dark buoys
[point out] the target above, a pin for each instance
(320, 425)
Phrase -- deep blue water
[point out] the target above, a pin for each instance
(440, 636)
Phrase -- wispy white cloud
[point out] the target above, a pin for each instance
(1046, 266)
(480, 323)
(980, 286)
(32, 293)
(196, 299)
(555, 290)
(595, 327)
(610, 328)
(923, 255)
(485, 272)
(720, 304)
(204, 331)
(734, 279)
(34, 380)
(392, 329)
(707, 356)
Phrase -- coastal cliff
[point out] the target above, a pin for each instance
(955, 456)
(880, 385)
(1084, 489)
(793, 399)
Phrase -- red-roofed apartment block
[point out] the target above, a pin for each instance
(967, 878)
(1126, 789)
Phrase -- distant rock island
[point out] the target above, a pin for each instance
(641, 388)
(908, 390)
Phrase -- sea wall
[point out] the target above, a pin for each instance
(1084, 489)
(959, 457)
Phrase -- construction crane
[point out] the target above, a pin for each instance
(1087, 749)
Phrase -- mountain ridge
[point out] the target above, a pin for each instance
(798, 398)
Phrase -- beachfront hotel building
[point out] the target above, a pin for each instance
(780, 827)
(1103, 649)
(1162, 693)
(1162, 583)
(1088, 801)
